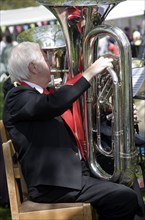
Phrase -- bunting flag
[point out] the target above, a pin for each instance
(39, 23)
(32, 25)
(44, 22)
(18, 28)
(3, 29)
(25, 27)
(11, 29)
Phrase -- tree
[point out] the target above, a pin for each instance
(14, 4)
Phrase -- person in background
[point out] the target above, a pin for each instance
(136, 44)
(128, 33)
(2, 44)
(113, 47)
(7, 51)
(41, 125)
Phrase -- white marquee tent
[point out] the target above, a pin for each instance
(124, 9)
(25, 15)
(129, 8)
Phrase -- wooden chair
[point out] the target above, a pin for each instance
(3, 132)
(22, 208)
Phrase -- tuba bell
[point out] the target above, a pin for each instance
(82, 25)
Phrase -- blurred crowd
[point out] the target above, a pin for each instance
(135, 37)
(137, 41)
(6, 45)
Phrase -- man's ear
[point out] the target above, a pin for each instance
(32, 67)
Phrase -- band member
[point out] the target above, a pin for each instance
(41, 124)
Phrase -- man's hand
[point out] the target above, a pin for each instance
(97, 67)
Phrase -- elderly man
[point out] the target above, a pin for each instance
(40, 123)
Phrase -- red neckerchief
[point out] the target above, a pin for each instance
(77, 127)
(73, 120)
(24, 84)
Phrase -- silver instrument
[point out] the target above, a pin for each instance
(82, 25)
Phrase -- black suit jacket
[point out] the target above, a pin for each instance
(43, 140)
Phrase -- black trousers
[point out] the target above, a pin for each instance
(111, 200)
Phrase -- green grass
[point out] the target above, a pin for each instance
(5, 214)
(143, 194)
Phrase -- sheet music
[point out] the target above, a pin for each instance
(138, 77)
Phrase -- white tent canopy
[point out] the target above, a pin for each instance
(25, 15)
(127, 8)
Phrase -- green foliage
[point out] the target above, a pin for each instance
(14, 4)
(143, 194)
(26, 35)
(5, 214)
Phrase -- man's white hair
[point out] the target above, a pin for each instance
(21, 56)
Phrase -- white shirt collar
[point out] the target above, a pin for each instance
(33, 85)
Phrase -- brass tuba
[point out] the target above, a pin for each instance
(82, 24)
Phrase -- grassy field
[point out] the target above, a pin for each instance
(5, 214)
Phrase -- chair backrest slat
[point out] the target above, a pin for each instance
(3, 132)
(12, 175)
(17, 168)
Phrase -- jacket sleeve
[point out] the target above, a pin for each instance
(30, 105)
